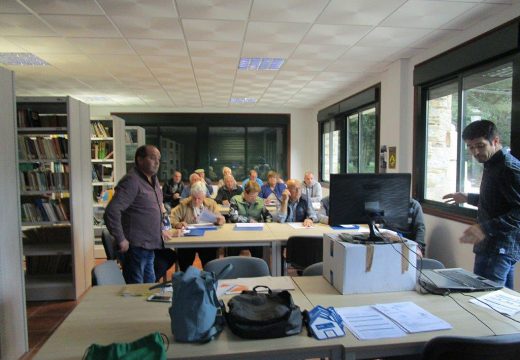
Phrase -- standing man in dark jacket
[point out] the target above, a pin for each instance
(496, 235)
(134, 216)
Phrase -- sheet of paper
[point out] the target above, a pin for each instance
(412, 317)
(249, 225)
(366, 323)
(207, 216)
(299, 225)
(500, 301)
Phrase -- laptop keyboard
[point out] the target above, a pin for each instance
(464, 279)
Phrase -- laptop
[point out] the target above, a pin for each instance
(455, 280)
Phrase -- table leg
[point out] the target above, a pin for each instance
(276, 258)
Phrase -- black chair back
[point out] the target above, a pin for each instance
(503, 347)
(109, 243)
(303, 251)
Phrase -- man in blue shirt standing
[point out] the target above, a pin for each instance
(496, 235)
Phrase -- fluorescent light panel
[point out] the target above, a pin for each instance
(244, 100)
(21, 59)
(260, 63)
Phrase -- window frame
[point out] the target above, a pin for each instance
(436, 208)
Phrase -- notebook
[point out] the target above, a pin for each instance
(455, 279)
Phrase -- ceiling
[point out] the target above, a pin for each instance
(185, 53)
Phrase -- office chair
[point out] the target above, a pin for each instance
(107, 273)
(109, 244)
(303, 251)
(428, 264)
(164, 260)
(243, 266)
(313, 270)
(503, 347)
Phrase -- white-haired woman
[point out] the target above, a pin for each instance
(188, 212)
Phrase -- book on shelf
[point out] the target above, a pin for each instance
(97, 129)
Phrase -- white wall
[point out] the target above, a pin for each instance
(13, 321)
(303, 134)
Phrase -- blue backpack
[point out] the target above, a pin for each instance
(196, 312)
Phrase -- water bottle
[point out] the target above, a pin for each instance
(165, 223)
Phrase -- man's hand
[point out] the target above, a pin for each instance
(176, 196)
(181, 225)
(455, 198)
(225, 202)
(124, 246)
(308, 223)
(472, 235)
(172, 233)
(285, 195)
(221, 220)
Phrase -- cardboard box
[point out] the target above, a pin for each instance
(348, 268)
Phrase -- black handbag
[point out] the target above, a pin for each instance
(254, 315)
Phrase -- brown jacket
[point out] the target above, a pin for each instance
(184, 211)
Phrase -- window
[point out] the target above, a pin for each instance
(348, 135)
(476, 80)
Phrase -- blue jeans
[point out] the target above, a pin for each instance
(138, 266)
(496, 267)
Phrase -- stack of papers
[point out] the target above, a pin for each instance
(500, 301)
(236, 286)
(249, 226)
(202, 226)
(325, 323)
(389, 320)
(299, 225)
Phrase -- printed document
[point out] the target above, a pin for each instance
(500, 301)
(412, 317)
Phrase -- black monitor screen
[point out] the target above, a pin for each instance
(353, 197)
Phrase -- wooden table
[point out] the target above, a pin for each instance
(103, 316)
(273, 236)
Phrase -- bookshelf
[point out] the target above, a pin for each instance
(172, 154)
(107, 147)
(134, 137)
(55, 192)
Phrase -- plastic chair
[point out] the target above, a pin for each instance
(313, 270)
(429, 264)
(243, 266)
(107, 273)
(109, 243)
(503, 347)
(303, 251)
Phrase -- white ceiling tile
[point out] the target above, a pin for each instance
(372, 53)
(474, 16)
(8, 46)
(296, 75)
(69, 61)
(169, 63)
(268, 50)
(215, 48)
(82, 26)
(148, 27)
(109, 46)
(305, 65)
(23, 25)
(163, 47)
(305, 11)
(12, 7)
(64, 7)
(139, 8)
(357, 66)
(214, 9)
(392, 37)
(336, 34)
(358, 12)
(276, 32)
(426, 14)
(433, 37)
(336, 76)
(213, 30)
(318, 52)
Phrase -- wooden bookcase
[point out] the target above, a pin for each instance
(107, 147)
(55, 196)
(134, 137)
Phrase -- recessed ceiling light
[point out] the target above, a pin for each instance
(260, 63)
(21, 59)
(244, 100)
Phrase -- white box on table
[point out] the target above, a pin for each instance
(344, 266)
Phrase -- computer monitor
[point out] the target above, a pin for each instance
(369, 198)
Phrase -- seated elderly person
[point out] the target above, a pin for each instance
(189, 211)
(226, 192)
(323, 213)
(311, 188)
(225, 172)
(295, 207)
(253, 176)
(272, 190)
(193, 179)
(248, 208)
